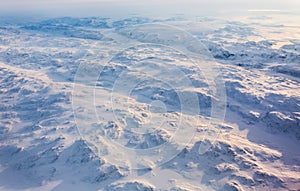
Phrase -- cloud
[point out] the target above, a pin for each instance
(264, 10)
(127, 7)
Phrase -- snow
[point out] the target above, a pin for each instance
(81, 110)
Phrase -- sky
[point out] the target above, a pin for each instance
(141, 7)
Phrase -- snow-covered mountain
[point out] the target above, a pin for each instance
(103, 104)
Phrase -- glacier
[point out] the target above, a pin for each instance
(254, 146)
